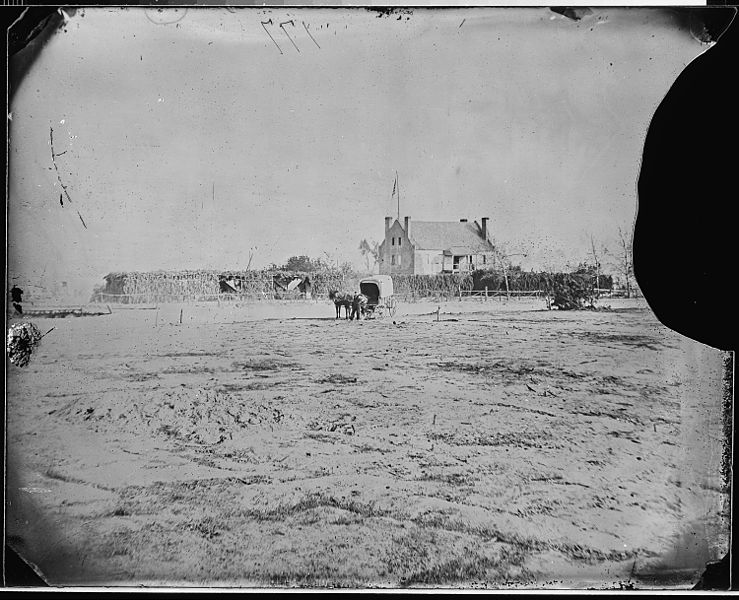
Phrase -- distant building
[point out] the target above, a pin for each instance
(430, 247)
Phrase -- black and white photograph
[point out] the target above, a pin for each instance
(345, 298)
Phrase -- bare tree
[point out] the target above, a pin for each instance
(596, 261)
(371, 253)
(598, 253)
(331, 261)
(503, 258)
(625, 258)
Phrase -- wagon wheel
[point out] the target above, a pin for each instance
(392, 306)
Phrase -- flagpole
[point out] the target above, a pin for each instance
(397, 184)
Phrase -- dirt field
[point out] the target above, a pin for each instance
(262, 445)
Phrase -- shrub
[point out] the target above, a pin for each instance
(570, 291)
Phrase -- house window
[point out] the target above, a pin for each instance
(398, 259)
(392, 259)
(400, 240)
(393, 242)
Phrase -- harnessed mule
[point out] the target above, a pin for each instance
(340, 299)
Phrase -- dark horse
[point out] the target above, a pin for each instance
(340, 299)
(359, 306)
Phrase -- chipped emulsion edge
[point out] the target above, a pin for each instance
(707, 41)
(711, 43)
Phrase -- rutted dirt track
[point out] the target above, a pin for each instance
(494, 447)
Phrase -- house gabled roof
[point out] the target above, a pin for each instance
(448, 235)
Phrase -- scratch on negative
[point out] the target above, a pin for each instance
(59, 178)
(462, 23)
(287, 34)
(56, 168)
(309, 34)
(269, 22)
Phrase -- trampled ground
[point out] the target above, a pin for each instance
(260, 445)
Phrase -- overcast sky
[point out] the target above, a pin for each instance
(187, 137)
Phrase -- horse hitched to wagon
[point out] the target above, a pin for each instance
(379, 293)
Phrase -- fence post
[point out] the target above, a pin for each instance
(460, 293)
(486, 293)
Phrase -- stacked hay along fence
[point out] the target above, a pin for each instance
(203, 286)
(494, 283)
(443, 285)
(222, 286)
(563, 290)
(528, 281)
(325, 281)
(158, 286)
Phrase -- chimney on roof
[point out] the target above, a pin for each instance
(463, 220)
(388, 220)
(485, 227)
(408, 226)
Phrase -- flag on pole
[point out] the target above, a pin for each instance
(395, 183)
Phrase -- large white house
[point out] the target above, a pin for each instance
(430, 247)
